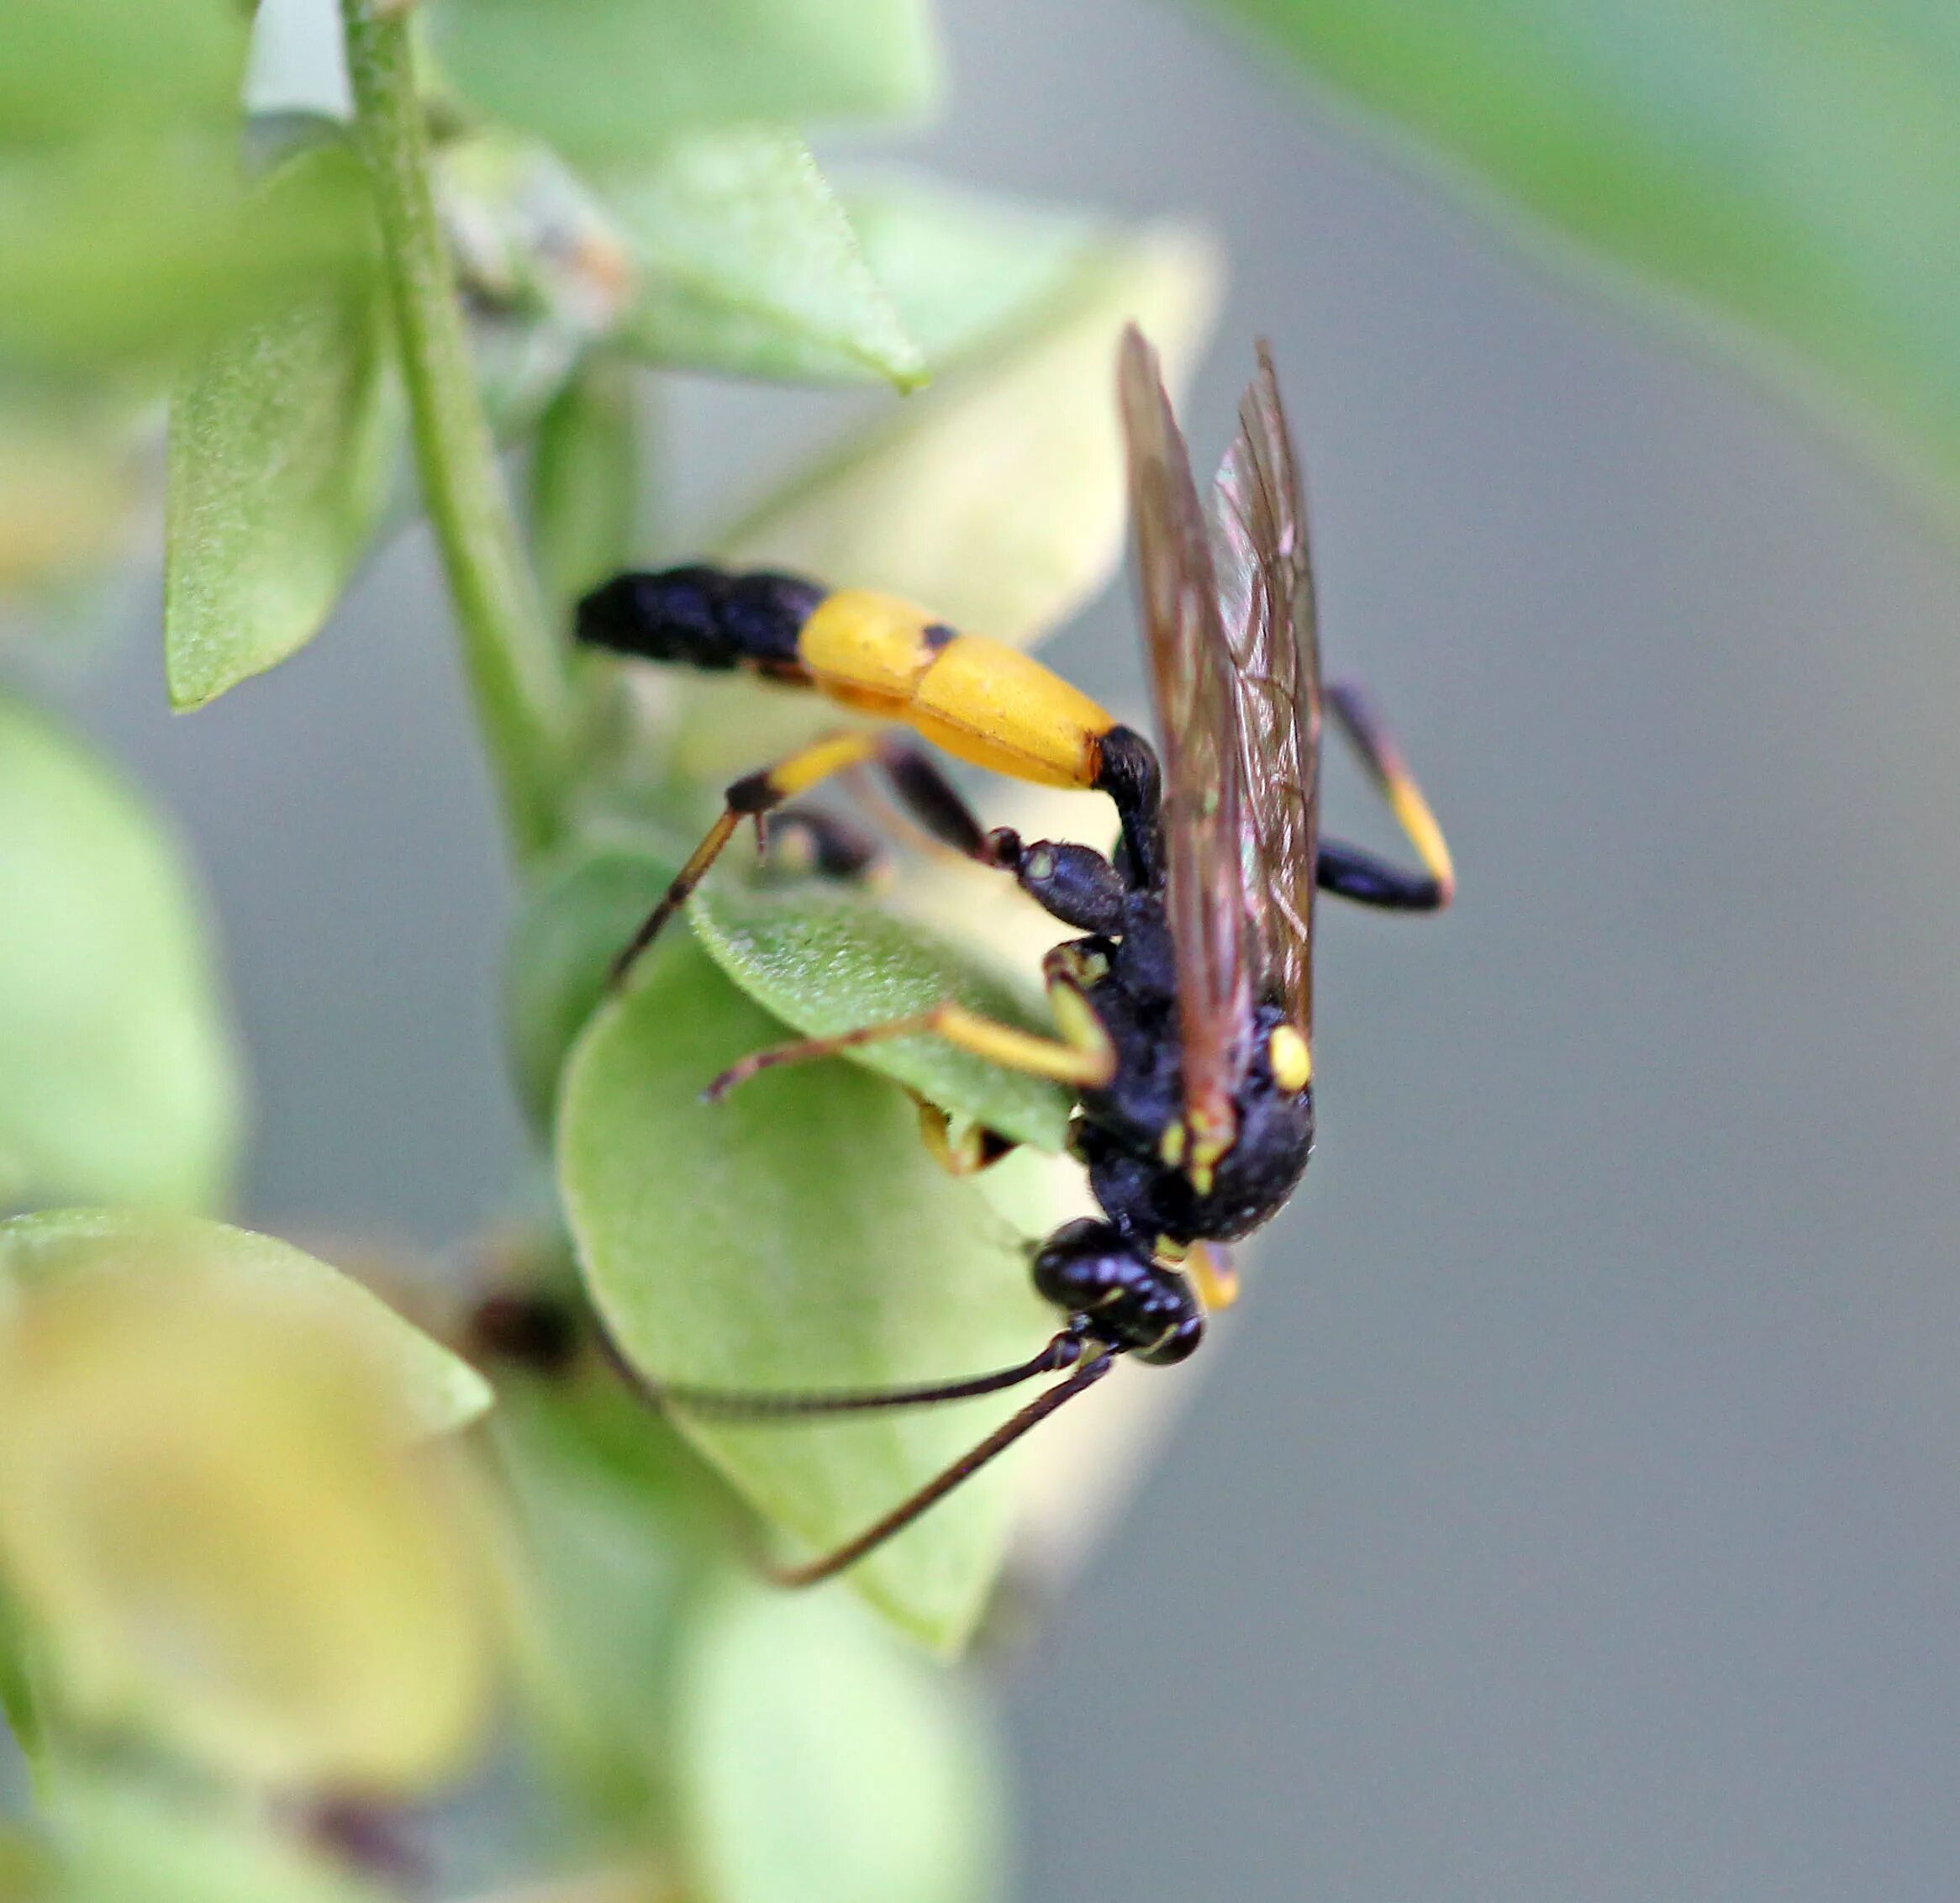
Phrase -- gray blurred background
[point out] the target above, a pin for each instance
(1571, 1511)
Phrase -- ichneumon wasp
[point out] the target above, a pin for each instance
(1183, 1014)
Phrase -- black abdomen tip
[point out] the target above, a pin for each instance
(700, 616)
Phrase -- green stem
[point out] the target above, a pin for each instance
(517, 673)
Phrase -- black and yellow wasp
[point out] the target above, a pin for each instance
(1184, 1015)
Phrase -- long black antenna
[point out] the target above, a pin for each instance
(813, 1572)
(1064, 1350)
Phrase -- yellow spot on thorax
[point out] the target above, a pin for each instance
(1292, 1060)
(1212, 1129)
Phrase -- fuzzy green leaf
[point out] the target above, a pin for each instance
(282, 440)
(1789, 167)
(747, 264)
(129, 249)
(75, 67)
(437, 1392)
(998, 496)
(580, 911)
(966, 272)
(117, 1080)
(795, 1236)
(585, 482)
(818, 1765)
(610, 80)
(826, 961)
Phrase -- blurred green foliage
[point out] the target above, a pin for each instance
(117, 1080)
(1781, 169)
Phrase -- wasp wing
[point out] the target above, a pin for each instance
(1265, 603)
(1198, 726)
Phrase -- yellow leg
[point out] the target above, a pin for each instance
(1209, 1266)
(1082, 1058)
(976, 1148)
(1386, 768)
(752, 797)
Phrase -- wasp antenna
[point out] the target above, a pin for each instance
(814, 1572)
(1064, 1350)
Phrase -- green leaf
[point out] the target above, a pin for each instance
(117, 1081)
(77, 65)
(796, 1236)
(966, 272)
(608, 80)
(282, 441)
(748, 266)
(825, 959)
(819, 1765)
(1788, 166)
(575, 920)
(127, 250)
(998, 496)
(585, 482)
(437, 1392)
(118, 1843)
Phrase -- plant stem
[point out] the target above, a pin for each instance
(517, 675)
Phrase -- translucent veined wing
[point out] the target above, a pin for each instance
(1197, 710)
(1266, 602)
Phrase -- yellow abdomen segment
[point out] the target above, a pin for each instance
(868, 650)
(986, 702)
(979, 699)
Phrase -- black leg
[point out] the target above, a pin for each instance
(1351, 873)
(931, 801)
(1074, 883)
(806, 841)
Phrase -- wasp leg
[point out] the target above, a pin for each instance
(749, 798)
(929, 804)
(806, 841)
(976, 1148)
(1351, 873)
(1074, 883)
(1082, 1057)
(1213, 1274)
